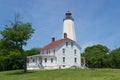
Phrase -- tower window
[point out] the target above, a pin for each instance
(63, 59)
(45, 60)
(75, 60)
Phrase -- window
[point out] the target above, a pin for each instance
(63, 59)
(47, 52)
(54, 51)
(71, 44)
(75, 60)
(63, 65)
(66, 44)
(51, 60)
(33, 60)
(30, 60)
(75, 51)
(45, 60)
(63, 51)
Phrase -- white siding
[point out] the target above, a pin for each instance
(49, 55)
(69, 55)
(49, 64)
(57, 57)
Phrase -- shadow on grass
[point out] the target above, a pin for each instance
(19, 73)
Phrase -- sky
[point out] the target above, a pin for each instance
(96, 21)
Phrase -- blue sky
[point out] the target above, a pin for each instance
(96, 21)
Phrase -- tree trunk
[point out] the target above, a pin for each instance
(25, 66)
(24, 58)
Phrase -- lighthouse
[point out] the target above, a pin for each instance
(59, 54)
(68, 26)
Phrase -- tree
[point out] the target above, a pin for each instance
(2, 62)
(96, 55)
(5, 47)
(115, 57)
(32, 51)
(17, 35)
(15, 60)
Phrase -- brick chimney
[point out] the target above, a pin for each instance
(65, 35)
(53, 39)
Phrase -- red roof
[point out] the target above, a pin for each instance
(56, 43)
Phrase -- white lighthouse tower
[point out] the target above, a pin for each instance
(59, 54)
(68, 26)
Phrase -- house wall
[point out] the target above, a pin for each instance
(48, 54)
(48, 64)
(69, 55)
(33, 62)
(39, 60)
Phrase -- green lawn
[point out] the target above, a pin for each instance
(63, 74)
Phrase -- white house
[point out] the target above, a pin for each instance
(59, 54)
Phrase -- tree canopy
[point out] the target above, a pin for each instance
(96, 56)
(115, 57)
(14, 38)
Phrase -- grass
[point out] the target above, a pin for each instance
(63, 74)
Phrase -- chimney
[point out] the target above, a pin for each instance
(65, 35)
(53, 39)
